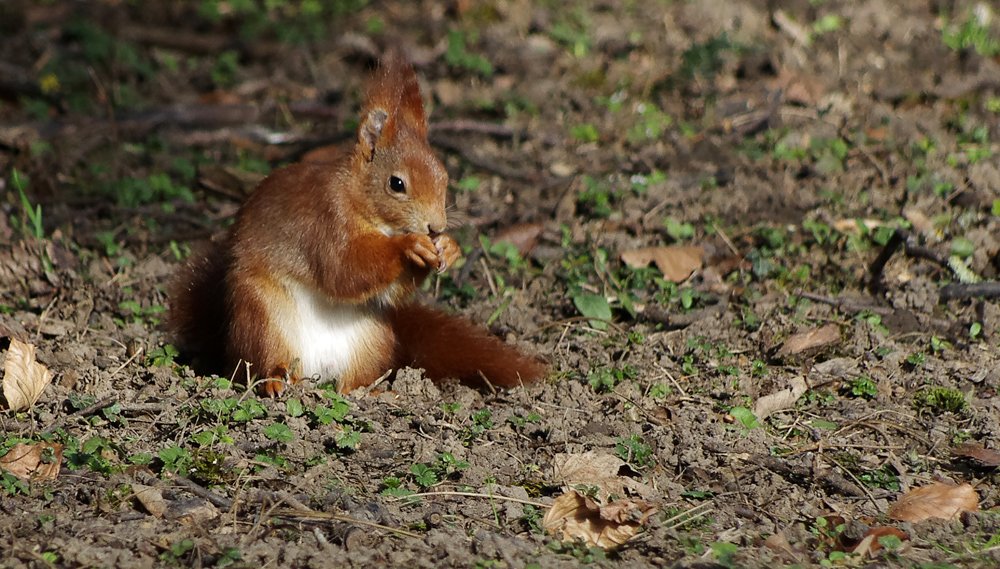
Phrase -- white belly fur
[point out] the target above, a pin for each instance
(326, 335)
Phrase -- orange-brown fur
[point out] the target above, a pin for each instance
(331, 246)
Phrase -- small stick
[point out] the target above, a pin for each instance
(876, 284)
(85, 411)
(473, 495)
(960, 291)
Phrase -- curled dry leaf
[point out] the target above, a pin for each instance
(779, 400)
(194, 510)
(813, 339)
(38, 461)
(851, 225)
(607, 472)
(981, 455)
(938, 500)
(151, 498)
(883, 531)
(24, 379)
(574, 516)
(920, 222)
(524, 236)
(676, 262)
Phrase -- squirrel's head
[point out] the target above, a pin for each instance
(406, 181)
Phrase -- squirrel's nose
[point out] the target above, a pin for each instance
(437, 225)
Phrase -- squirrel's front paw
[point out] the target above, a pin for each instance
(421, 250)
(448, 252)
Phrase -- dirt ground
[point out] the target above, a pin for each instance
(837, 162)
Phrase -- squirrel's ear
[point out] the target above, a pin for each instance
(371, 130)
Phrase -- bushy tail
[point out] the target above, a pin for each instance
(451, 346)
(197, 312)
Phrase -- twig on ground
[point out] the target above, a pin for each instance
(473, 126)
(200, 491)
(962, 291)
(654, 314)
(82, 412)
(876, 282)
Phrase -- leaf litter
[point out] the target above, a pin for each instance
(750, 155)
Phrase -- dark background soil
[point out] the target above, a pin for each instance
(758, 130)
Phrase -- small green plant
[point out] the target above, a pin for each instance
(132, 192)
(19, 181)
(705, 59)
(939, 345)
(975, 330)
(679, 231)
(458, 55)
(745, 418)
(873, 319)
(518, 422)
(482, 421)
(862, 386)
(883, 477)
(633, 451)
(938, 400)
(162, 356)
(533, 519)
(594, 306)
(12, 484)
(604, 379)
(828, 23)
(93, 454)
(179, 552)
(279, 432)
(598, 196)
(578, 550)
(974, 33)
(393, 486)
(916, 359)
(573, 35)
(650, 124)
(423, 475)
(724, 553)
(428, 475)
(584, 132)
(468, 184)
(176, 459)
(146, 316)
(659, 391)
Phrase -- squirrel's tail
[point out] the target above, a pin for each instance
(450, 346)
(197, 315)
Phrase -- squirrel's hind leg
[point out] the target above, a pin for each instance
(255, 338)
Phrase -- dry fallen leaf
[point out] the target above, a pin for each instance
(937, 500)
(607, 472)
(920, 222)
(782, 399)
(813, 339)
(24, 379)
(524, 236)
(981, 455)
(38, 461)
(195, 510)
(151, 498)
(574, 516)
(851, 225)
(883, 531)
(676, 262)
(798, 87)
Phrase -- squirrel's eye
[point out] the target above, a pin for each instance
(397, 185)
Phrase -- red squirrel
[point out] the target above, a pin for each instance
(316, 274)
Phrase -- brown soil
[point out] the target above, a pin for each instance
(766, 126)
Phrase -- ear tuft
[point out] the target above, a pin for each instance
(371, 130)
